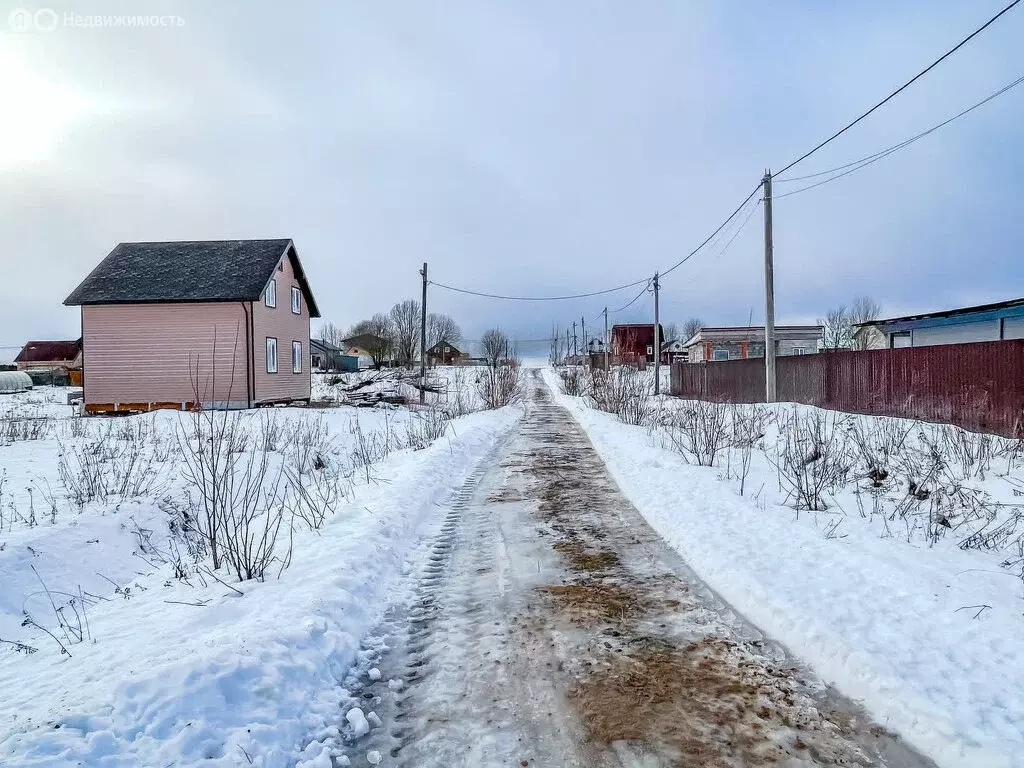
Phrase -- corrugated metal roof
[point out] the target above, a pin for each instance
(1008, 304)
(47, 351)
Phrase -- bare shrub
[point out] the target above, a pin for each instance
(624, 391)
(459, 402)
(113, 463)
(700, 430)
(15, 429)
(500, 385)
(425, 427)
(813, 457)
(241, 495)
(574, 380)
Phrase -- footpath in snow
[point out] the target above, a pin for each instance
(880, 618)
(212, 676)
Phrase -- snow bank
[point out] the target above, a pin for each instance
(877, 617)
(206, 676)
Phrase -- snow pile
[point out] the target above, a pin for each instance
(186, 668)
(884, 604)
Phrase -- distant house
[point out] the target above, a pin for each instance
(634, 341)
(324, 356)
(216, 324)
(444, 353)
(740, 343)
(986, 322)
(48, 355)
(674, 352)
(369, 347)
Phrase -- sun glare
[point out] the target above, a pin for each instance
(36, 113)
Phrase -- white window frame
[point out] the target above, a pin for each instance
(270, 295)
(799, 350)
(271, 354)
(296, 357)
(296, 301)
(716, 359)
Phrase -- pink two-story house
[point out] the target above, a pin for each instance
(212, 324)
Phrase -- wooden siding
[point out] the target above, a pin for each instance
(150, 353)
(282, 324)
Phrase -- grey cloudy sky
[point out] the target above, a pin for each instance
(519, 147)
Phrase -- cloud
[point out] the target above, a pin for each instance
(532, 148)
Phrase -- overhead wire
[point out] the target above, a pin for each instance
(847, 169)
(906, 85)
(863, 162)
(538, 298)
(633, 301)
(708, 239)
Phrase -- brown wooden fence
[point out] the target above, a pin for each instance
(976, 386)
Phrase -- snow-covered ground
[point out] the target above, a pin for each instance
(876, 592)
(451, 388)
(165, 667)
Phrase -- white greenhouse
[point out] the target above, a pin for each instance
(14, 381)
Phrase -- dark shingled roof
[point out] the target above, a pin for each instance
(189, 270)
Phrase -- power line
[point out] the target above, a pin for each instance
(864, 162)
(906, 85)
(721, 226)
(538, 298)
(742, 226)
(634, 300)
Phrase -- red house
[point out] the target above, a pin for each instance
(634, 341)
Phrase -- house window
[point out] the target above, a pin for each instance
(799, 350)
(720, 354)
(271, 354)
(296, 357)
(296, 300)
(271, 295)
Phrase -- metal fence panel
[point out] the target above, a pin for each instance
(978, 386)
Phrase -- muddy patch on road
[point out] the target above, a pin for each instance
(656, 664)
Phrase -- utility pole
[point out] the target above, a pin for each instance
(657, 338)
(574, 339)
(607, 343)
(567, 345)
(423, 338)
(769, 294)
(586, 350)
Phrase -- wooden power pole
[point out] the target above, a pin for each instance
(607, 341)
(770, 381)
(423, 338)
(574, 340)
(586, 351)
(657, 338)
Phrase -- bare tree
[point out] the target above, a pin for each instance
(380, 329)
(691, 327)
(671, 333)
(837, 328)
(405, 326)
(441, 327)
(495, 344)
(864, 309)
(331, 334)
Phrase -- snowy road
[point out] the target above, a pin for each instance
(550, 626)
